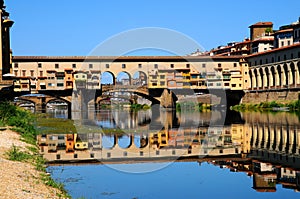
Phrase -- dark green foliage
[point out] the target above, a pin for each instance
(268, 106)
(137, 107)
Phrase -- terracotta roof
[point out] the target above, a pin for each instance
(268, 23)
(263, 39)
(274, 50)
(284, 30)
(118, 59)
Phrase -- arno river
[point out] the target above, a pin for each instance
(160, 154)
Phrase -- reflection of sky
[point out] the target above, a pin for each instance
(105, 124)
(178, 180)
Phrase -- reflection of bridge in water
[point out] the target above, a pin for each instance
(266, 147)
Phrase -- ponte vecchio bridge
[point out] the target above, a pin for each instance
(159, 79)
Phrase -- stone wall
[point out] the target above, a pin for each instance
(279, 96)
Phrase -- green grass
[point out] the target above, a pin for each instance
(293, 106)
(23, 121)
(15, 154)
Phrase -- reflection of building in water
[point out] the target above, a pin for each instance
(272, 151)
(171, 143)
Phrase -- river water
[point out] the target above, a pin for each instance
(160, 154)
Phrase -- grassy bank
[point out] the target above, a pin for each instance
(193, 106)
(269, 106)
(22, 121)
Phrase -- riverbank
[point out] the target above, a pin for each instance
(22, 168)
(21, 179)
(268, 106)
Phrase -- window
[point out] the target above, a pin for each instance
(299, 54)
(16, 65)
(289, 42)
(90, 65)
(154, 84)
(226, 84)
(41, 73)
(187, 65)
(39, 65)
(172, 65)
(75, 155)
(162, 76)
(31, 73)
(267, 61)
(59, 78)
(23, 73)
(73, 65)
(154, 77)
(56, 65)
(260, 62)
(240, 85)
(272, 59)
(282, 43)
(234, 64)
(16, 73)
(292, 56)
(219, 84)
(233, 85)
(123, 65)
(162, 83)
(284, 57)
(106, 65)
(255, 63)
(155, 65)
(278, 58)
(203, 65)
(219, 65)
(140, 65)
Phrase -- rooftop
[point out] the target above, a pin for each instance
(268, 23)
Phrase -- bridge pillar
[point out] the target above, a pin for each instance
(167, 99)
(79, 105)
(40, 105)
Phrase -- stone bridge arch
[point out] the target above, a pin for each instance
(105, 73)
(119, 76)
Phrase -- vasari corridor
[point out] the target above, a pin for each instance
(123, 99)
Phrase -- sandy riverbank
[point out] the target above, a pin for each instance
(20, 180)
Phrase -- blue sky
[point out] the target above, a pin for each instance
(73, 27)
